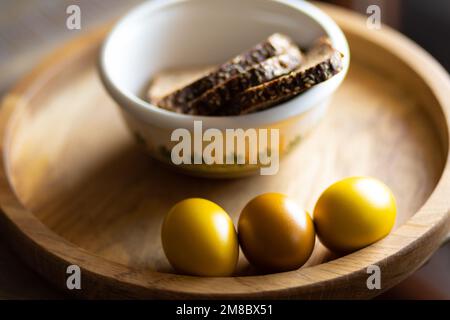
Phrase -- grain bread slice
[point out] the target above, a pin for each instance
(178, 100)
(170, 80)
(321, 63)
(212, 100)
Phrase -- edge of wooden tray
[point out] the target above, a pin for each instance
(398, 255)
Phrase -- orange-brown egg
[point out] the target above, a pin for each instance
(275, 234)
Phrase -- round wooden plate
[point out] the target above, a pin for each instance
(75, 189)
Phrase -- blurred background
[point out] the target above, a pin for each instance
(31, 28)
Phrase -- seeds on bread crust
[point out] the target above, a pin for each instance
(177, 101)
(321, 63)
(212, 100)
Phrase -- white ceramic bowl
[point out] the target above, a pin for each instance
(163, 34)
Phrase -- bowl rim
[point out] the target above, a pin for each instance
(137, 106)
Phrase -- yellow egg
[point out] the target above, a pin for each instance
(199, 238)
(354, 213)
(275, 233)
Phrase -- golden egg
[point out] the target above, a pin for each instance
(354, 213)
(199, 238)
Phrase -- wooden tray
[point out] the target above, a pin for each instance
(75, 189)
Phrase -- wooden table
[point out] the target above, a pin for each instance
(28, 30)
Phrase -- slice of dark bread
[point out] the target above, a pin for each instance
(170, 80)
(213, 99)
(178, 100)
(321, 63)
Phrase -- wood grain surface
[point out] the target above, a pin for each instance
(30, 29)
(84, 193)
